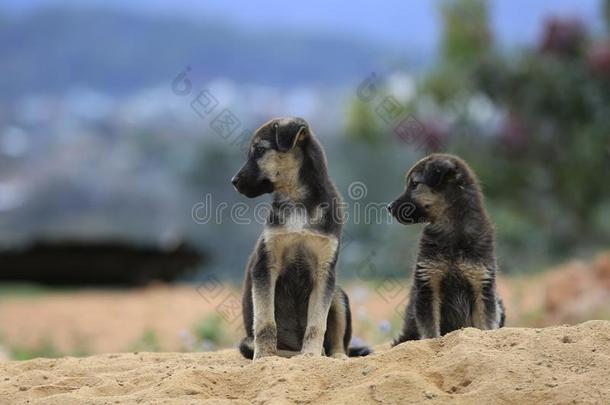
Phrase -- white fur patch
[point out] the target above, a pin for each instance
(296, 221)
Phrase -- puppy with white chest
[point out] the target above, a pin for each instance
(290, 302)
(454, 283)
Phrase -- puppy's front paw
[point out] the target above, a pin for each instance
(311, 353)
(265, 341)
(339, 355)
(259, 354)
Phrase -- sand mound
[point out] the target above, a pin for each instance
(511, 365)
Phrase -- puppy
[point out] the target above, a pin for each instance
(290, 303)
(454, 283)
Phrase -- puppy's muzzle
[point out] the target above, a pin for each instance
(397, 207)
(235, 180)
(402, 210)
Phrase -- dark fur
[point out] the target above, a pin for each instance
(298, 249)
(454, 277)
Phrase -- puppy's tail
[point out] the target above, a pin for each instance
(359, 351)
(246, 347)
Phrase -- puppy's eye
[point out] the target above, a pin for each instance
(414, 183)
(259, 151)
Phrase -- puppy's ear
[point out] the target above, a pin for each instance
(288, 134)
(439, 171)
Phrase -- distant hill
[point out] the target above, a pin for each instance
(118, 51)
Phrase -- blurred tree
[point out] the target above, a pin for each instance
(534, 125)
(467, 35)
(563, 37)
(559, 106)
(362, 123)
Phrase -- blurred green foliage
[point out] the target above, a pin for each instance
(21, 289)
(467, 34)
(534, 124)
(44, 349)
(211, 329)
(362, 125)
(148, 342)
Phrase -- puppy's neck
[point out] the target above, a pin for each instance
(464, 224)
(469, 224)
(305, 181)
(285, 174)
(311, 200)
(294, 193)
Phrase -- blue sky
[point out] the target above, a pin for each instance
(392, 22)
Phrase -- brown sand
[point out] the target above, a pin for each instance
(512, 365)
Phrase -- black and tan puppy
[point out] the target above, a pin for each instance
(454, 284)
(290, 303)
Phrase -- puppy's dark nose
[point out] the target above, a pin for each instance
(235, 180)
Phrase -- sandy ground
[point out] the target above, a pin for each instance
(554, 365)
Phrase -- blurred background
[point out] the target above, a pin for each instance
(121, 125)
